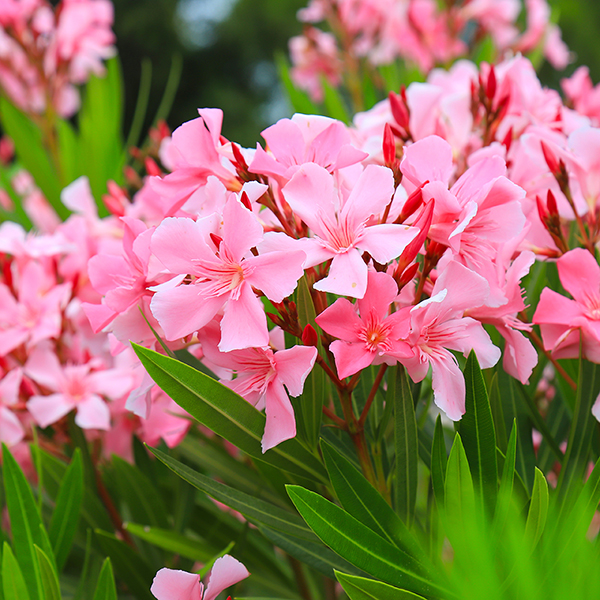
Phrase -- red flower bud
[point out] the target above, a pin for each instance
(399, 110)
(310, 336)
(389, 146)
(550, 158)
(490, 88)
(246, 201)
(151, 167)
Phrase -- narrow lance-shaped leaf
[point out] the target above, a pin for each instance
(439, 461)
(538, 509)
(49, 576)
(582, 429)
(227, 414)
(13, 583)
(507, 481)
(407, 446)
(360, 499)
(479, 437)
(458, 493)
(251, 507)
(105, 589)
(26, 524)
(360, 588)
(362, 547)
(65, 517)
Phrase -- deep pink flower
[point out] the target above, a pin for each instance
(374, 336)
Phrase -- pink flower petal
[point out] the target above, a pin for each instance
(448, 385)
(428, 159)
(183, 310)
(226, 571)
(294, 365)
(276, 274)
(347, 275)
(386, 242)
(93, 413)
(244, 323)
(11, 430)
(241, 229)
(580, 275)
(281, 424)
(351, 358)
(46, 410)
(172, 584)
(340, 320)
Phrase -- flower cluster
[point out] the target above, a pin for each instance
(51, 361)
(46, 52)
(422, 218)
(423, 33)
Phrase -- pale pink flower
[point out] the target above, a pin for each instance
(438, 326)
(375, 336)
(224, 271)
(342, 226)
(261, 375)
(11, 428)
(563, 322)
(37, 314)
(195, 153)
(73, 387)
(172, 584)
(302, 139)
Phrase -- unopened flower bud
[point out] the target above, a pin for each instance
(151, 167)
(399, 110)
(310, 336)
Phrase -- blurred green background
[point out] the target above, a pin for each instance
(227, 49)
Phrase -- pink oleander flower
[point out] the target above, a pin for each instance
(343, 227)
(11, 428)
(37, 313)
(74, 387)
(315, 55)
(438, 326)
(302, 139)
(261, 375)
(375, 336)
(564, 322)
(195, 153)
(224, 272)
(172, 584)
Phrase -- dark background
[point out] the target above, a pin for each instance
(227, 50)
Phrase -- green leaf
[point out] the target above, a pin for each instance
(32, 155)
(513, 409)
(252, 508)
(65, 517)
(13, 584)
(26, 524)
(140, 494)
(171, 541)
(582, 429)
(68, 144)
(479, 437)
(507, 481)
(49, 576)
(309, 405)
(105, 589)
(101, 145)
(314, 554)
(334, 103)
(359, 588)
(361, 500)
(130, 567)
(458, 493)
(439, 462)
(227, 414)
(406, 444)
(360, 546)
(538, 509)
